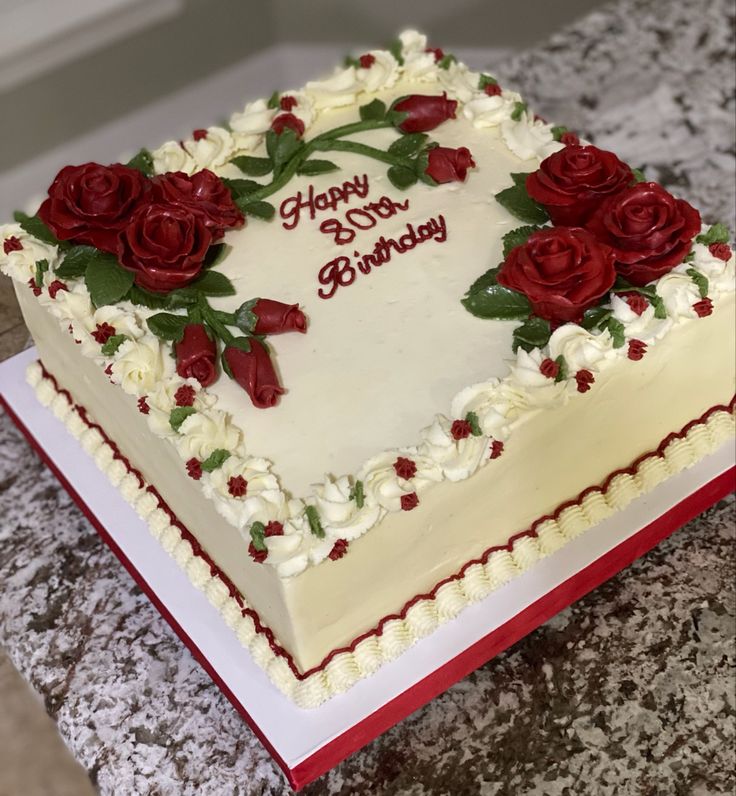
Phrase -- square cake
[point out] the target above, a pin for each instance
(373, 348)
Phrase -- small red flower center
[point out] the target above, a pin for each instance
(287, 103)
(194, 468)
(637, 302)
(103, 332)
(237, 486)
(108, 369)
(367, 60)
(259, 556)
(12, 244)
(338, 549)
(549, 368)
(496, 448)
(584, 379)
(437, 52)
(273, 529)
(637, 349)
(703, 308)
(55, 287)
(143, 406)
(492, 89)
(461, 429)
(185, 395)
(722, 251)
(409, 502)
(199, 134)
(34, 287)
(405, 468)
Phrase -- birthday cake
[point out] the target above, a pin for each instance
(373, 348)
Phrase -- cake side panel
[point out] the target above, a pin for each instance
(548, 460)
(159, 463)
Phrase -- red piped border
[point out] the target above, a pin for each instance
(377, 631)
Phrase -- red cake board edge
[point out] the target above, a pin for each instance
(483, 650)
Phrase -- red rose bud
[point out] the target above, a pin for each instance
(721, 251)
(254, 372)
(449, 165)
(424, 112)
(284, 120)
(196, 355)
(275, 317)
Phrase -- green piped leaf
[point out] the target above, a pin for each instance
(357, 494)
(638, 176)
(216, 459)
(245, 318)
(486, 80)
(167, 326)
(446, 60)
(257, 536)
(395, 49)
(216, 254)
(213, 283)
(273, 100)
(239, 187)
(533, 333)
(281, 147)
(408, 144)
(143, 162)
(487, 299)
(718, 233)
(594, 317)
(517, 237)
(518, 202)
(473, 422)
(401, 177)
(111, 345)
(315, 526)
(142, 298)
(315, 166)
(701, 280)
(519, 108)
(561, 368)
(253, 167)
(75, 262)
(35, 227)
(42, 266)
(375, 110)
(558, 131)
(259, 209)
(106, 280)
(179, 414)
(616, 329)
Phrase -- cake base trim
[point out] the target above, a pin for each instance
(394, 633)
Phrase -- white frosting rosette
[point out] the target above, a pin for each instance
(213, 150)
(581, 349)
(20, 264)
(720, 273)
(381, 74)
(644, 327)
(248, 126)
(418, 64)
(139, 365)
(678, 292)
(491, 404)
(172, 156)
(526, 376)
(485, 111)
(459, 81)
(72, 308)
(162, 399)
(382, 485)
(340, 515)
(412, 42)
(292, 552)
(528, 138)
(460, 458)
(335, 91)
(204, 432)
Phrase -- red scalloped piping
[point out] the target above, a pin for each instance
(276, 648)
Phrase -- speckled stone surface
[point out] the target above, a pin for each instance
(630, 691)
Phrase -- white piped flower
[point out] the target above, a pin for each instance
(384, 486)
(526, 375)
(459, 81)
(261, 498)
(720, 274)
(172, 156)
(491, 403)
(20, 264)
(204, 432)
(679, 292)
(581, 349)
(528, 139)
(643, 327)
(249, 126)
(336, 91)
(341, 517)
(213, 150)
(460, 458)
(485, 111)
(381, 74)
(139, 365)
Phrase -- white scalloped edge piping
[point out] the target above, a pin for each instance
(475, 583)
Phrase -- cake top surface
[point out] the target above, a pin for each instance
(379, 202)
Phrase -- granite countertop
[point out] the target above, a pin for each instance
(629, 691)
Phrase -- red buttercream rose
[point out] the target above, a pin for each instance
(649, 230)
(92, 203)
(424, 112)
(275, 317)
(571, 183)
(284, 120)
(561, 270)
(203, 192)
(254, 372)
(449, 165)
(196, 355)
(164, 245)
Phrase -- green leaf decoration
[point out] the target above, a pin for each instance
(42, 266)
(517, 237)
(401, 177)
(689, 257)
(446, 60)
(239, 187)
(487, 299)
(243, 343)
(213, 283)
(257, 536)
(351, 60)
(475, 429)
(216, 254)
(310, 168)
(179, 414)
(259, 209)
(718, 233)
(701, 280)
(225, 366)
(273, 100)
(35, 227)
(638, 176)
(182, 297)
(357, 494)
(660, 311)
(245, 318)
(111, 345)
(616, 328)
(167, 326)
(518, 202)
(75, 262)
(106, 280)
(533, 333)
(253, 167)
(408, 144)
(143, 161)
(420, 168)
(395, 49)
(519, 108)
(594, 317)
(558, 131)
(561, 368)
(216, 459)
(281, 147)
(486, 80)
(315, 526)
(142, 298)
(373, 110)
(519, 177)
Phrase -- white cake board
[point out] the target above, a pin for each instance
(306, 743)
